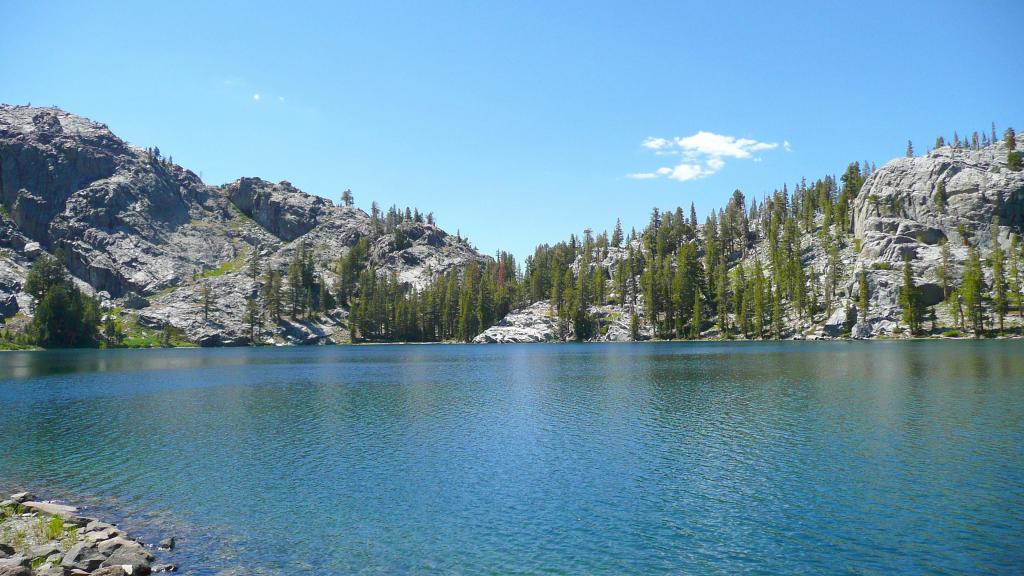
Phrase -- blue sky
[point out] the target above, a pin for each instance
(520, 122)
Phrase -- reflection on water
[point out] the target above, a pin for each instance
(607, 459)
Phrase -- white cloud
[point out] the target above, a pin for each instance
(718, 145)
(703, 154)
(256, 97)
(786, 146)
(280, 98)
(684, 172)
(656, 143)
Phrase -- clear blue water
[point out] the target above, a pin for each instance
(797, 458)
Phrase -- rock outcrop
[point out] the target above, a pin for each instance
(162, 249)
(148, 236)
(535, 323)
(908, 208)
(51, 539)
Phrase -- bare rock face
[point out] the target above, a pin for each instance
(281, 208)
(430, 252)
(150, 236)
(535, 323)
(899, 215)
(900, 201)
(122, 218)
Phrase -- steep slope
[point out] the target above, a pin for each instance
(907, 209)
(910, 206)
(144, 233)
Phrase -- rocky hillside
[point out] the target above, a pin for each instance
(169, 255)
(154, 242)
(906, 209)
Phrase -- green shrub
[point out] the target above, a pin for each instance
(54, 528)
(951, 334)
(1014, 161)
(881, 266)
(70, 539)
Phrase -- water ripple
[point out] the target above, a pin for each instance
(879, 458)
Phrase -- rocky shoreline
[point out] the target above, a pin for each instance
(46, 538)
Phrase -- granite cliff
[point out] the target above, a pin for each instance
(907, 209)
(151, 240)
(163, 250)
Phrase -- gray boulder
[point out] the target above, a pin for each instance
(121, 551)
(840, 321)
(134, 301)
(49, 569)
(83, 556)
(117, 570)
(15, 561)
(51, 508)
(14, 570)
(44, 550)
(98, 525)
(861, 330)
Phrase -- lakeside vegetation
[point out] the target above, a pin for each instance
(747, 271)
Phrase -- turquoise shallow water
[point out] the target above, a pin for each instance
(760, 458)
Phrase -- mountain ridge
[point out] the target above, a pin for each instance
(164, 251)
(131, 225)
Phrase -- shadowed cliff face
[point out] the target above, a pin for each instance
(129, 223)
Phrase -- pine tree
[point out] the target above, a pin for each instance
(944, 271)
(910, 149)
(722, 298)
(910, 300)
(999, 295)
(1015, 279)
(204, 292)
(695, 324)
(862, 295)
(940, 196)
(1010, 140)
(777, 312)
(971, 290)
(346, 198)
(62, 315)
(759, 299)
(617, 234)
(252, 318)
